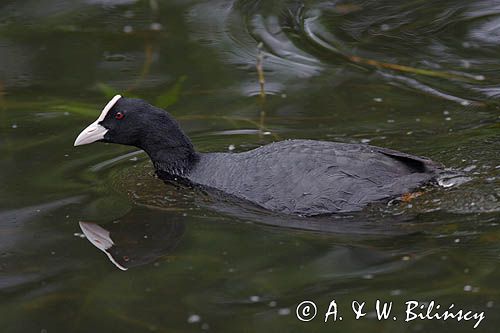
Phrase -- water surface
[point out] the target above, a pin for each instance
(417, 76)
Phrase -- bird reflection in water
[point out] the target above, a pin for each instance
(140, 237)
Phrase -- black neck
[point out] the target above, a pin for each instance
(175, 161)
(170, 149)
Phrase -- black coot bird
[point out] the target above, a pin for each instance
(302, 177)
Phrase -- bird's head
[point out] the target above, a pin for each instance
(134, 122)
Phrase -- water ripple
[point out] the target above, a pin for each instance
(403, 41)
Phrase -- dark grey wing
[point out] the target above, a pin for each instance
(312, 177)
(415, 163)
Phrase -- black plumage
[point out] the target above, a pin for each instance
(303, 177)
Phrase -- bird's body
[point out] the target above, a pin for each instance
(303, 177)
(308, 177)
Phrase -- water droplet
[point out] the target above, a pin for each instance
(254, 299)
(194, 318)
(156, 26)
(284, 312)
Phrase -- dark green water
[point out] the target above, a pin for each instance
(417, 76)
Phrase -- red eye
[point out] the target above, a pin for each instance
(119, 115)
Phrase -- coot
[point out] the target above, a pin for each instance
(303, 177)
